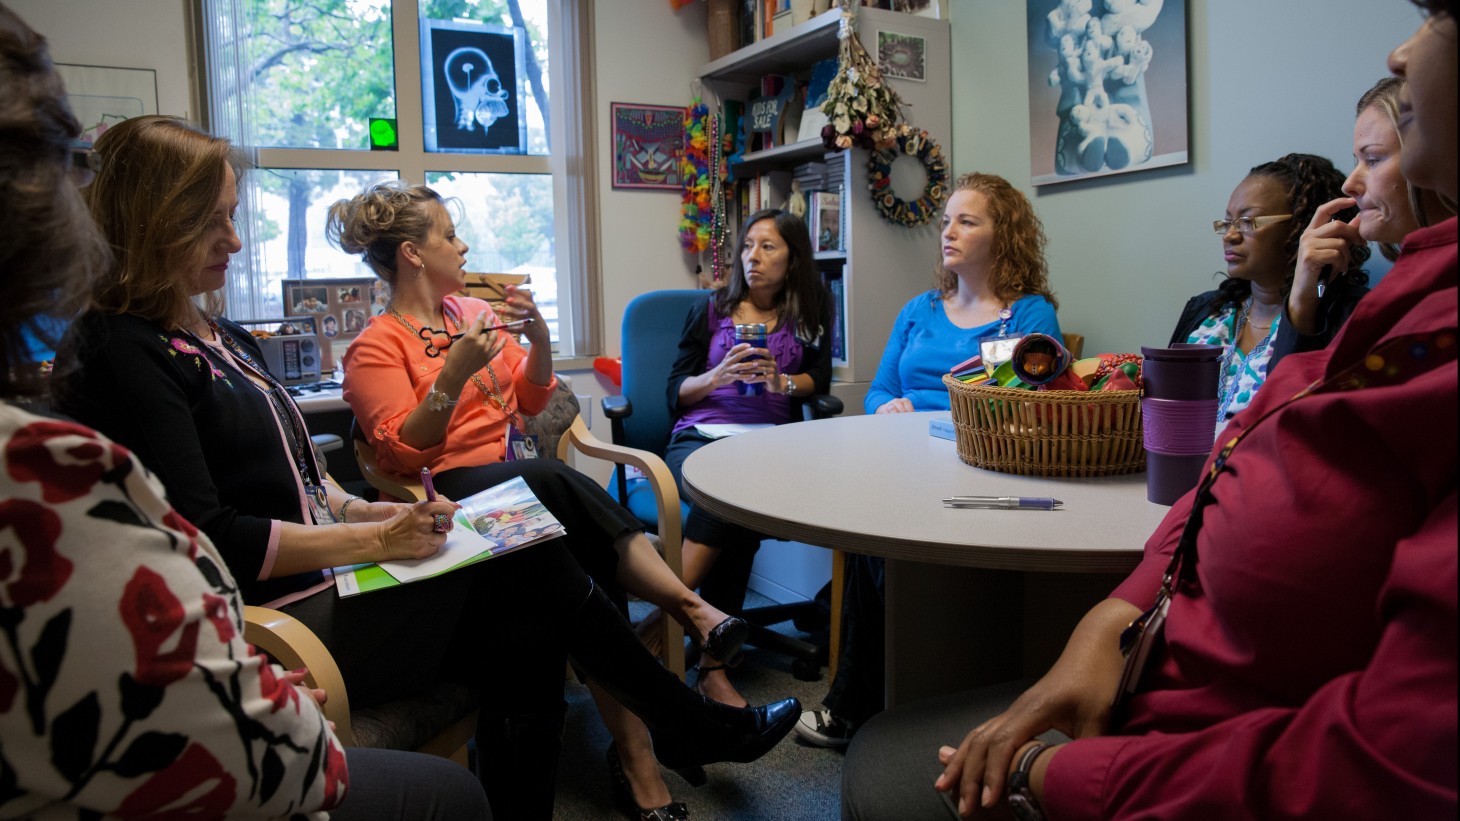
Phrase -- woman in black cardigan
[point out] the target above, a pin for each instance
(185, 390)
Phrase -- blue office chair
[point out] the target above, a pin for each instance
(640, 418)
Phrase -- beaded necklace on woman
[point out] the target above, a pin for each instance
(1227, 390)
(494, 394)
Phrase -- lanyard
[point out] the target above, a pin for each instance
(1391, 363)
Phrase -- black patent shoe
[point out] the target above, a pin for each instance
(624, 795)
(725, 640)
(739, 735)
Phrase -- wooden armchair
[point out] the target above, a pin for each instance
(439, 723)
(575, 437)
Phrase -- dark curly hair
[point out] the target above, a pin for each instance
(803, 296)
(49, 248)
(1310, 181)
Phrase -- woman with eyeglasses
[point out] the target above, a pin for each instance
(1265, 220)
(1298, 609)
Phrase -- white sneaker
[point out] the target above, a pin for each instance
(821, 728)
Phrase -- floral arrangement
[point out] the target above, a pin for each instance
(914, 143)
(694, 169)
(862, 109)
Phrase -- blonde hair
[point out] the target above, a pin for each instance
(1018, 268)
(1385, 96)
(373, 224)
(157, 183)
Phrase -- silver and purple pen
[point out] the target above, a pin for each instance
(1004, 502)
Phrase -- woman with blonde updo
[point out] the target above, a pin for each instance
(187, 390)
(452, 403)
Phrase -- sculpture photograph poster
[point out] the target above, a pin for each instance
(1107, 87)
(472, 78)
(648, 143)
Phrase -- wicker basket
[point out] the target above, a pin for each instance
(1047, 433)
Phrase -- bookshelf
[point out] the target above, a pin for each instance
(880, 266)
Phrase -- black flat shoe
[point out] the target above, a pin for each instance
(725, 640)
(624, 795)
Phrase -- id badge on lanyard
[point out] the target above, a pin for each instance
(520, 445)
(996, 349)
(319, 504)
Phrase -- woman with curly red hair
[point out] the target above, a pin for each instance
(991, 279)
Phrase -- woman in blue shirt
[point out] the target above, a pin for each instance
(991, 277)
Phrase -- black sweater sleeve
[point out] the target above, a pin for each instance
(1195, 311)
(816, 355)
(1334, 308)
(189, 421)
(694, 352)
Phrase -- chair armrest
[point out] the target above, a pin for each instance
(616, 407)
(666, 497)
(293, 645)
(402, 488)
(824, 405)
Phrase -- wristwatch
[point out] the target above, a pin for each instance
(1021, 797)
(437, 400)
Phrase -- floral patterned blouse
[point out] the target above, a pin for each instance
(126, 687)
(1242, 374)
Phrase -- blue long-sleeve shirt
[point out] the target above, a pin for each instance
(924, 345)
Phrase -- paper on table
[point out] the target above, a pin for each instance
(730, 429)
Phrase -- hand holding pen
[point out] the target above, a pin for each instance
(1324, 252)
(441, 522)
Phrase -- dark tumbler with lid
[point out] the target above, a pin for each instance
(1178, 416)
(754, 333)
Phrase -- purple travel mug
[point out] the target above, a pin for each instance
(754, 334)
(1178, 416)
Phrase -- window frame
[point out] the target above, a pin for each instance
(570, 163)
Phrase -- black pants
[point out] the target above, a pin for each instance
(386, 785)
(724, 586)
(859, 690)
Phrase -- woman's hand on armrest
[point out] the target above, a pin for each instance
(1073, 697)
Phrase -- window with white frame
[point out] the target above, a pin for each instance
(315, 91)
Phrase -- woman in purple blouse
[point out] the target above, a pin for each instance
(776, 284)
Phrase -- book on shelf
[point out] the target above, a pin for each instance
(827, 206)
(813, 119)
(837, 286)
(499, 520)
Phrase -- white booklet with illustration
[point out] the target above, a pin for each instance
(720, 431)
(495, 522)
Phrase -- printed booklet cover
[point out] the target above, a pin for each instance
(492, 523)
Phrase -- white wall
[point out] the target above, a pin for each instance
(1267, 77)
(123, 33)
(646, 53)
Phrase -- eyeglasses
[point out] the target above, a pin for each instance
(1247, 225)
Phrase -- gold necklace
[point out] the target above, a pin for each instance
(488, 395)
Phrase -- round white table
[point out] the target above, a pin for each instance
(973, 595)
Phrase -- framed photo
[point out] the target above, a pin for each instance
(902, 56)
(473, 87)
(102, 96)
(1107, 88)
(338, 310)
(648, 142)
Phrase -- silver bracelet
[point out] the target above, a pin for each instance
(346, 506)
(790, 384)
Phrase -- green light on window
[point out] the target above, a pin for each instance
(383, 136)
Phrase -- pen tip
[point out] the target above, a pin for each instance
(1058, 503)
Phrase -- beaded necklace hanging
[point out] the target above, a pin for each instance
(494, 394)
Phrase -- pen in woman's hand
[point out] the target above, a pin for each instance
(442, 521)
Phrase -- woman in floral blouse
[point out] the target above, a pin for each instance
(126, 688)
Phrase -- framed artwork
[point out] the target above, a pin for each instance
(1107, 88)
(922, 8)
(341, 307)
(473, 87)
(102, 96)
(902, 56)
(648, 142)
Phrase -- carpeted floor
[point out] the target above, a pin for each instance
(792, 781)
